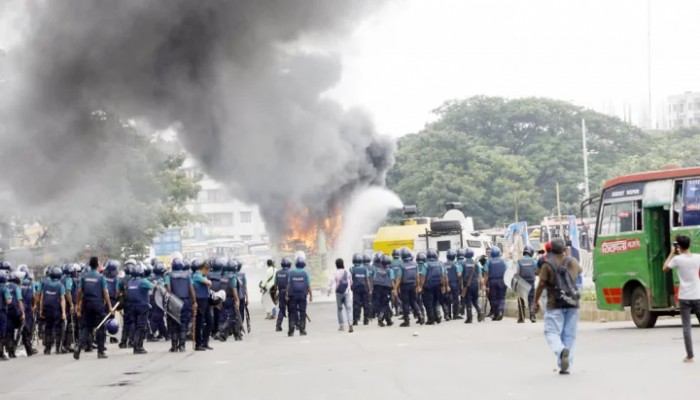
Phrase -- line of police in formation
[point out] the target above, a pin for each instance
(73, 306)
(432, 290)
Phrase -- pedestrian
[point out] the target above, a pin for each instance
(361, 288)
(558, 277)
(383, 290)
(281, 279)
(687, 264)
(526, 270)
(92, 300)
(472, 281)
(298, 286)
(203, 322)
(266, 285)
(340, 283)
(179, 283)
(406, 283)
(52, 309)
(494, 271)
(138, 291)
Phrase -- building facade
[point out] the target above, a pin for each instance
(684, 110)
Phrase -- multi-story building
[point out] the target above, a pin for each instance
(225, 217)
(684, 110)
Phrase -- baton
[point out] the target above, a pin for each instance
(94, 331)
(308, 318)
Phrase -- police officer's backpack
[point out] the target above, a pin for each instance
(343, 284)
(566, 293)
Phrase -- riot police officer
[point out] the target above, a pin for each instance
(179, 284)
(526, 270)
(281, 278)
(406, 282)
(137, 292)
(494, 270)
(92, 299)
(15, 315)
(230, 319)
(453, 270)
(432, 284)
(242, 281)
(29, 298)
(128, 322)
(157, 316)
(203, 321)
(217, 269)
(471, 282)
(111, 273)
(52, 309)
(395, 266)
(383, 289)
(361, 288)
(298, 287)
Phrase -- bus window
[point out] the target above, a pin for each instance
(677, 203)
(621, 217)
(691, 202)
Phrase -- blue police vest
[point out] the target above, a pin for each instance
(201, 291)
(27, 293)
(215, 278)
(51, 296)
(92, 289)
(382, 278)
(497, 268)
(409, 273)
(241, 285)
(14, 305)
(469, 269)
(359, 276)
(3, 306)
(299, 287)
(281, 279)
(527, 269)
(451, 268)
(433, 277)
(137, 295)
(180, 284)
(112, 287)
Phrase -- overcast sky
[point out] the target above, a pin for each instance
(409, 57)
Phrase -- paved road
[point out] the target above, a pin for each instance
(501, 360)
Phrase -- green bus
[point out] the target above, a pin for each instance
(638, 217)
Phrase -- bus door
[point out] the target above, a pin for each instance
(657, 229)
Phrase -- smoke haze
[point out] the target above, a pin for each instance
(227, 75)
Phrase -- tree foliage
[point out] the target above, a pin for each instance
(492, 153)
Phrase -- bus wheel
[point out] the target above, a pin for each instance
(641, 312)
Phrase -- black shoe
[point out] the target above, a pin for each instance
(101, 355)
(47, 351)
(152, 339)
(468, 321)
(421, 321)
(350, 330)
(430, 323)
(438, 320)
(31, 352)
(562, 372)
(302, 333)
(3, 357)
(389, 323)
(113, 340)
(405, 324)
(521, 321)
(122, 345)
(564, 360)
(182, 349)
(458, 317)
(173, 349)
(208, 348)
(140, 350)
(200, 348)
(480, 318)
(354, 323)
(381, 323)
(278, 329)
(366, 322)
(290, 333)
(533, 319)
(76, 353)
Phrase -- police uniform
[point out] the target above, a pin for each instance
(204, 317)
(15, 317)
(298, 284)
(137, 292)
(215, 278)
(229, 321)
(395, 300)
(453, 270)
(526, 270)
(127, 338)
(407, 277)
(242, 281)
(471, 273)
(51, 294)
(92, 311)
(382, 284)
(28, 295)
(281, 279)
(496, 269)
(5, 300)
(179, 283)
(360, 293)
(71, 319)
(157, 315)
(433, 273)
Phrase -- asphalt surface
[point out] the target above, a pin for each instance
(498, 360)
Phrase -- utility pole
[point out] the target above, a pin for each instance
(515, 202)
(586, 188)
(651, 122)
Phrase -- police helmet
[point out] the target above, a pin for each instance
(495, 252)
(529, 251)
(75, 270)
(377, 258)
(218, 264)
(386, 260)
(20, 274)
(137, 270)
(147, 269)
(65, 269)
(55, 273)
(47, 269)
(187, 264)
(301, 262)
(357, 259)
(159, 269)
(460, 253)
(469, 253)
(366, 260)
(406, 254)
(112, 268)
(233, 265)
(216, 298)
(177, 264)
(112, 326)
(421, 257)
(154, 262)
(196, 265)
(130, 262)
(395, 254)
(451, 255)
(432, 255)
(24, 268)
(14, 278)
(5, 266)
(286, 263)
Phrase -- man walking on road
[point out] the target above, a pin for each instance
(687, 265)
(340, 282)
(562, 313)
(266, 285)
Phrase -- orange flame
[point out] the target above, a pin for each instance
(304, 229)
